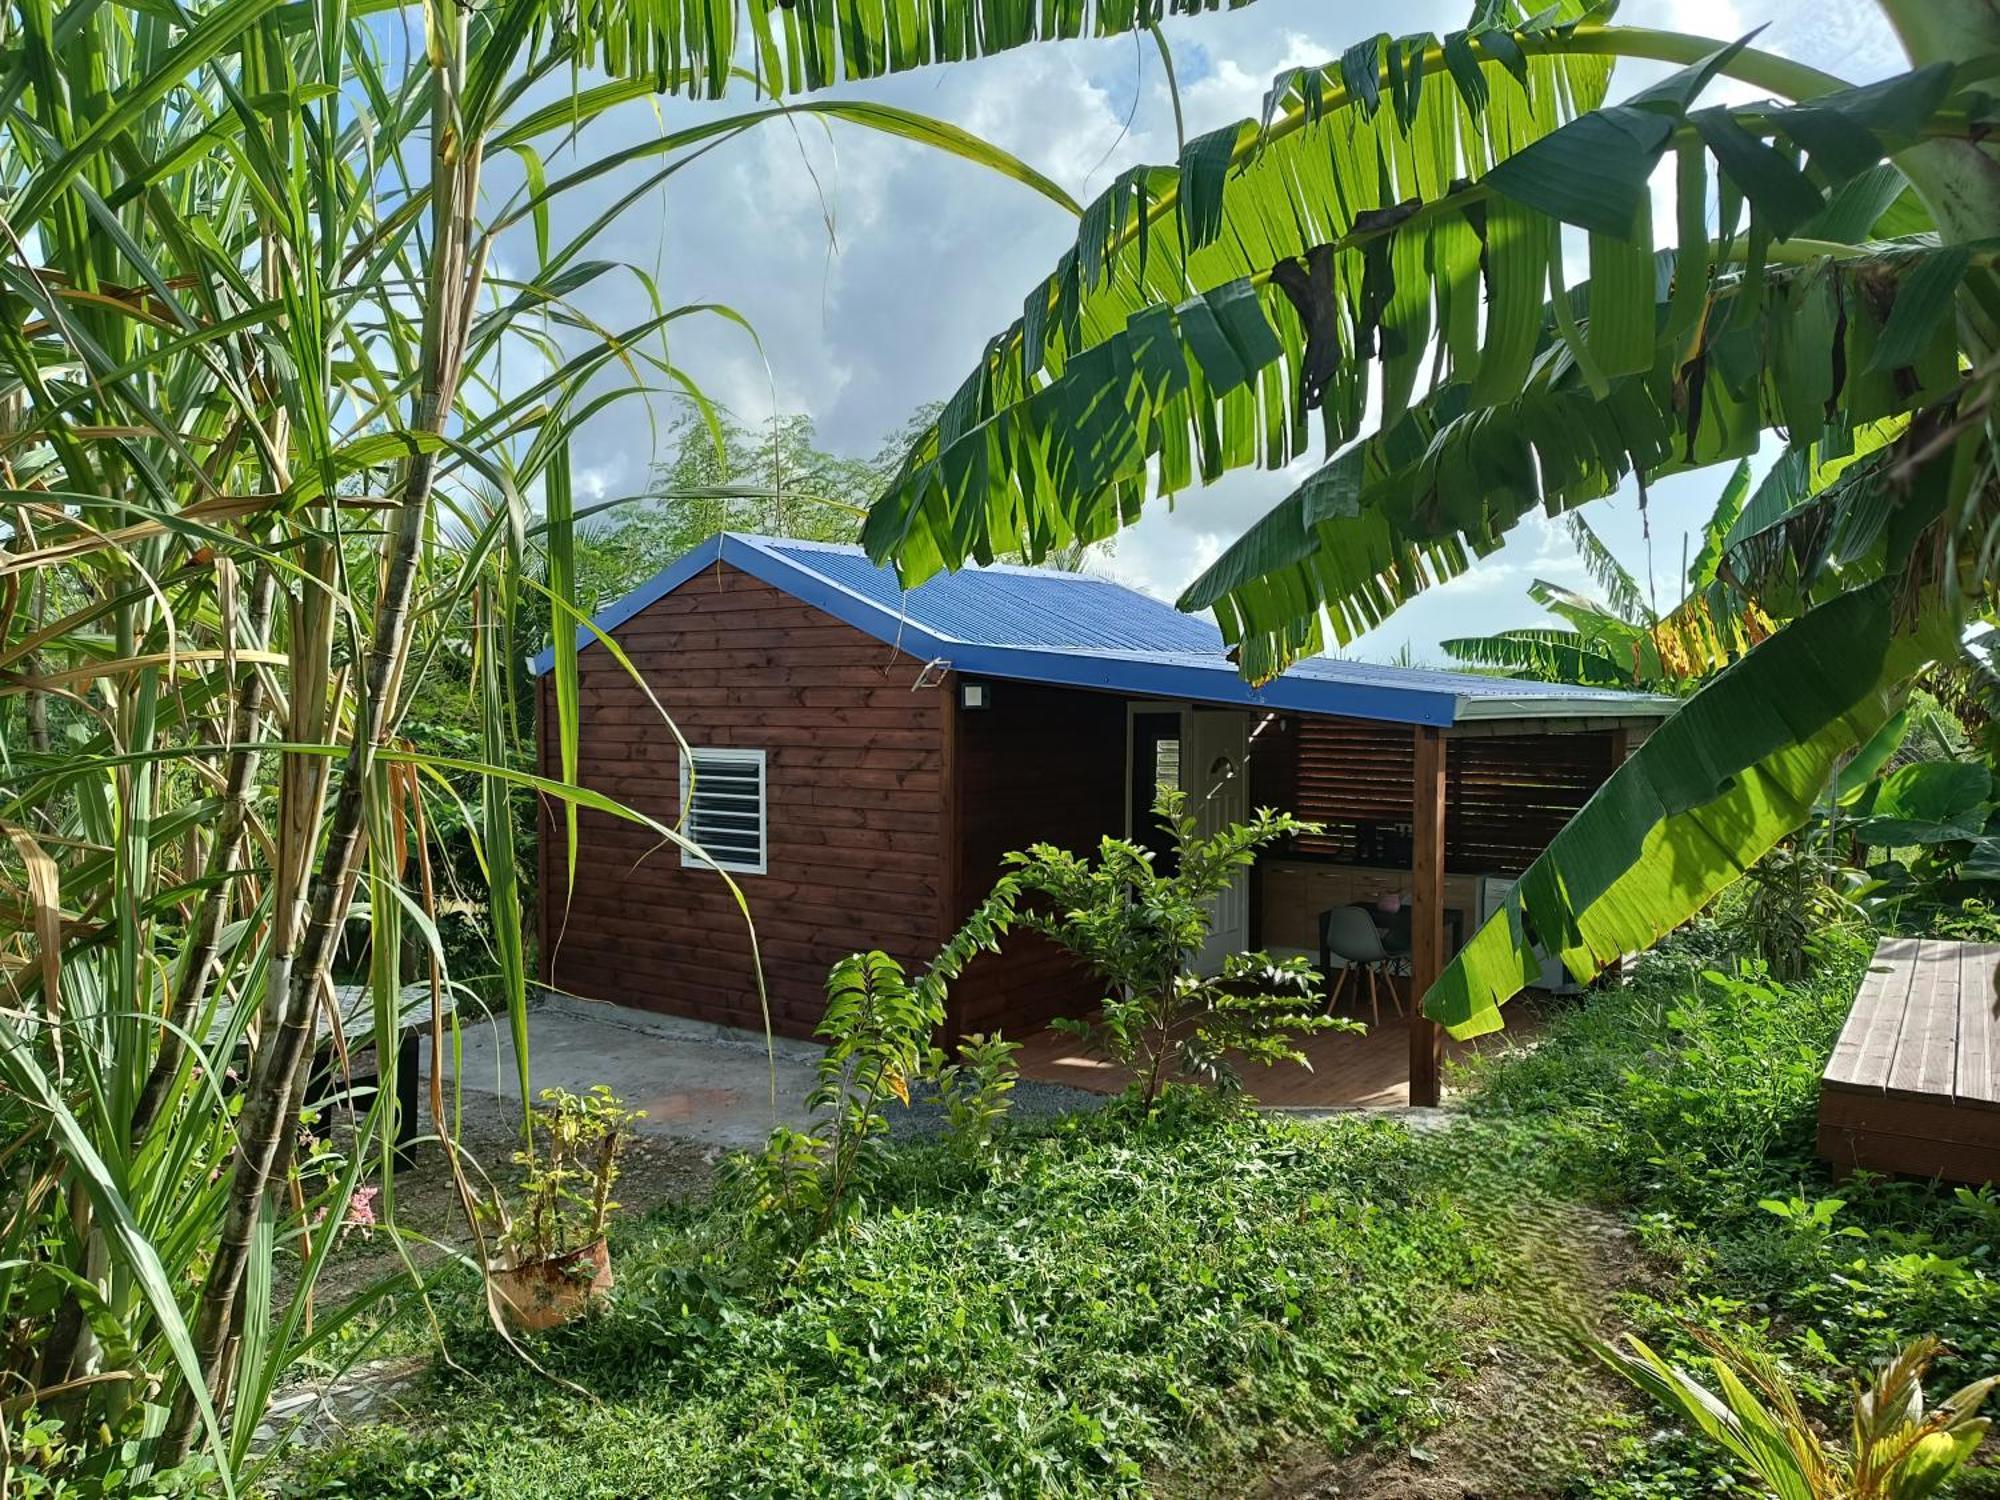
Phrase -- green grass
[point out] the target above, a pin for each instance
(1121, 1306)
(1118, 1301)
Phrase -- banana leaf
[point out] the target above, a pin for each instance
(1928, 802)
(1734, 771)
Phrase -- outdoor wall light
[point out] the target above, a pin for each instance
(975, 695)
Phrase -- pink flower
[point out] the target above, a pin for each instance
(361, 1208)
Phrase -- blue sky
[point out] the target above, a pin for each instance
(874, 270)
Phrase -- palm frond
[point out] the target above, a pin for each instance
(1543, 656)
(1621, 590)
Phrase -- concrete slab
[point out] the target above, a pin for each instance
(701, 1082)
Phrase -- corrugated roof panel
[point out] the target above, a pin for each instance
(1464, 684)
(1007, 606)
(1041, 625)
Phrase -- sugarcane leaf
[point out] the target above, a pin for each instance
(560, 541)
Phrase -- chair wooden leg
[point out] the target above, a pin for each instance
(1339, 985)
(1396, 994)
(1374, 1000)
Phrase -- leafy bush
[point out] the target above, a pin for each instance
(878, 1027)
(974, 1090)
(568, 1171)
(1119, 1296)
(1141, 931)
(1794, 904)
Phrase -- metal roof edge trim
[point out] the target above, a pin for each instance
(765, 563)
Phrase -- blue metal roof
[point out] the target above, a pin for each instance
(1077, 630)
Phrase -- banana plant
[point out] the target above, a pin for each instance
(1443, 253)
(257, 291)
(1897, 1449)
(1622, 639)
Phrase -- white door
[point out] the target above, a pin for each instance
(1213, 771)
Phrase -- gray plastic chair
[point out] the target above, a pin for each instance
(1349, 934)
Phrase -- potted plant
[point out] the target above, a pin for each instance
(553, 1261)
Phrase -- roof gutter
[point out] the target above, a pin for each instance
(1551, 706)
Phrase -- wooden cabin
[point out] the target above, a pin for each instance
(865, 757)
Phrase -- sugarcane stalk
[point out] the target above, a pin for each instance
(225, 854)
(271, 1103)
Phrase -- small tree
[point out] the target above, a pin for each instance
(1143, 932)
(878, 1027)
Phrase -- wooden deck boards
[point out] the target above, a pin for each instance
(1913, 1085)
(1348, 1071)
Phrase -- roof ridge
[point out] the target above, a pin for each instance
(766, 542)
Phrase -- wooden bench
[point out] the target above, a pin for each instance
(1914, 1083)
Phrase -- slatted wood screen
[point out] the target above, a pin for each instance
(1506, 796)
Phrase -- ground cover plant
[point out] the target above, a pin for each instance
(1171, 1303)
(1687, 1103)
(1116, 1298)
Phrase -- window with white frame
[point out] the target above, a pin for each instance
(724, 797)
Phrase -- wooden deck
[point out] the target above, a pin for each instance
(1914, 1083)
(1348, 1071)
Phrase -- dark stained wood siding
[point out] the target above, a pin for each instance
(1043, 764)
(1507, 796)
(855, 791)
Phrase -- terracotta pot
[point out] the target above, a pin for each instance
(540, 1294)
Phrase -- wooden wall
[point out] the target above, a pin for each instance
(856, 799)
(1506, 795)
(1043, 764)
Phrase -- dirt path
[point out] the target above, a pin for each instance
(1522, 1420)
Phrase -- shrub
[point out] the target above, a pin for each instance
(1141, 931)
(974, 1091)
(877, 1027)
(568, 1171)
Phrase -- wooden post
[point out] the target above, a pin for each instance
(951, 875)
(1427, 913)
